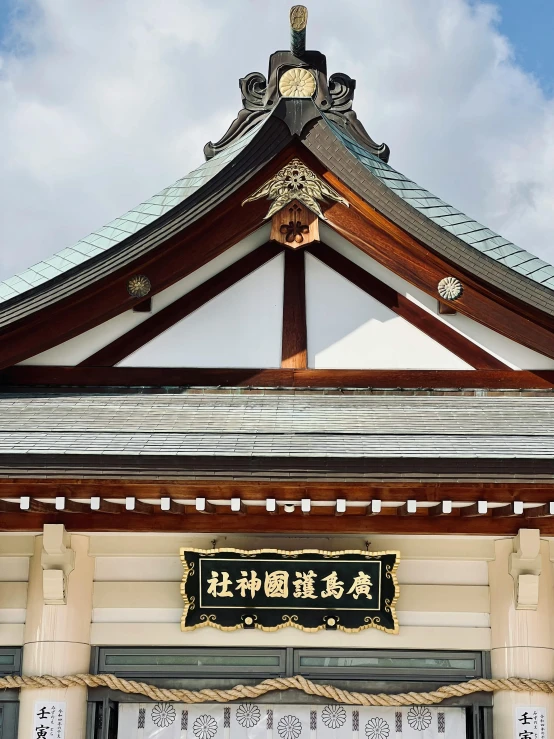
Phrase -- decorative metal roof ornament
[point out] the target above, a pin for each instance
(450, 288)
(299, 74)
(295, 182)
(298, 23)
(138, 286)
(297, 83)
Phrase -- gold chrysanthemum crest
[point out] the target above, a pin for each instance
(296, 182)
(138, 286)
(297, 83)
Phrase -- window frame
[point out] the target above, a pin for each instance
(103, 702)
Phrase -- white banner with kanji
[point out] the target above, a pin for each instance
(263, 721)
(49, 720)
(530, 722)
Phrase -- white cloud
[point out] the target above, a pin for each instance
(105, 103)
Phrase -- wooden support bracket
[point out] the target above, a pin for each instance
(512, 509)
(476, 509)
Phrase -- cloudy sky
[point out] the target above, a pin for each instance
(105, 102)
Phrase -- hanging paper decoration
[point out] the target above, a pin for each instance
(263, 721)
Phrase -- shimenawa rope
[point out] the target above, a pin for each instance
(241, 692)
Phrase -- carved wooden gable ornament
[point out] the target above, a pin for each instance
(295, 193)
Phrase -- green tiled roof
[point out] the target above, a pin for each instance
(451, 219)
(116, 231)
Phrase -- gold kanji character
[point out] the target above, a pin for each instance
(361, 586)
(304, 586)
(215, 583)
(245, 583)
(334, 586)
(276, 584)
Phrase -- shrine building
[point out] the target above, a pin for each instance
(277, 452)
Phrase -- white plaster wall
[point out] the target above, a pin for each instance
(444, 595)
(241, 327)
(76, 350)
(348, 329)
(513, 354)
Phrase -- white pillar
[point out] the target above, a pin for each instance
(57, 639)
(522, 640)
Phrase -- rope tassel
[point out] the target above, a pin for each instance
(240, 692)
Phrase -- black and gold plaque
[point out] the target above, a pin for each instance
(269, 589)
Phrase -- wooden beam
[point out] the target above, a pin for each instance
(264, 523)
(374, 508)
(409, 508)
(444, 508)
(437, 330)
(204, 506)
(512, 509)
(97, 490)
(71, 506)
(181, 308)
(65, 377)
(7, 506)
(477, 509)
(132, 505)
(237, 506)
(103, 506)
(167, 505)
(31, 505)
(543, 511)
(295, 341)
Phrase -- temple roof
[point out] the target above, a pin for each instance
(451, 219)
(279, 425)
(121, 228)
(325, 123)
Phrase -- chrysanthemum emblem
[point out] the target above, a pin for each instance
(289, 727)
(163, 715)
(297, 83)
(419, 718)
(333, 717)
(377, 728)
(248, 715)
(204, 727)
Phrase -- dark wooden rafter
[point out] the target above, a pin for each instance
(294, 342)
(125, 345)
(407, 309)
(59, 377)
(395, 249)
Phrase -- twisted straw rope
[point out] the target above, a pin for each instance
(207, 695)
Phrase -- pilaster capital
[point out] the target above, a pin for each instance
(57, 560)
(525, 565)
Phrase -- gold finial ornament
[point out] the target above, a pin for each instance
(296, 182)
(298, 17)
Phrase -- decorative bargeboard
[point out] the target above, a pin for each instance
(269, 589)
(263, 721)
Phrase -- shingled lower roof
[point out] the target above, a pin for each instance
(276, 425)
